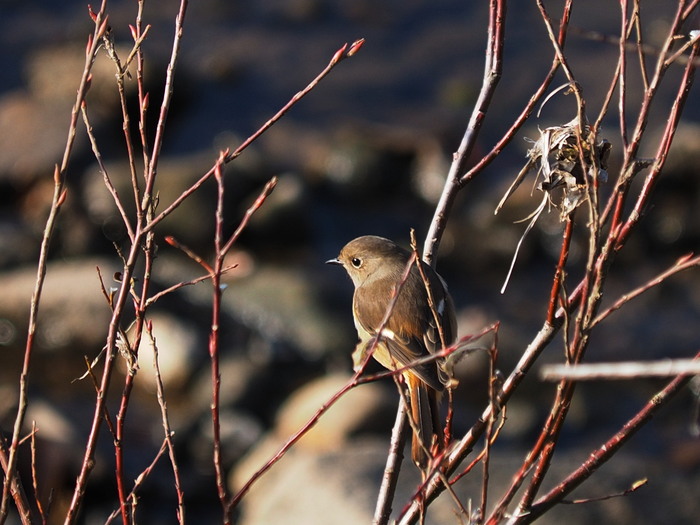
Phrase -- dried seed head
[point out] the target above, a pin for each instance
(567, 158)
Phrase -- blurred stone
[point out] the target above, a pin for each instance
(74, 314)
(429, 170)
(363, 409)
(369, 164)
(18, 244)
(283, 303)
(242, 381)
(671, 223)
(284, 216)
(9, 396)
(192, 223)
(179, 350)
(54, 72)
(334, 488)
(238, 432)
(333, 442)
(33, 135)
(56, 451)
(34, 124)
(686, 455)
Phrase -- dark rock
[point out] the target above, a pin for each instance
(192, 223)
(283, 303)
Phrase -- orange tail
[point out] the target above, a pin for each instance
(425, 413)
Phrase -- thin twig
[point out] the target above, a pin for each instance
(10, 483)
(385, 497)
(340, 55)
(217, 293)
(622, 74)
(685, 262)
(491, 429)
(168, 441)
(43, 513)
(126, 130)
(621, 370)
(462, 448)
(559, 271)
(492, 74)
(633, 488)
(165, 104)
(105, 174)
(221, 249)
(606, 450)
(356, 379)
(138, 482)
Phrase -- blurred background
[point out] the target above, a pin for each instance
(365, 153)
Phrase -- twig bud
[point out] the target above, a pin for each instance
(103, 27)
(355, 47)
(339, 55)
(62, 197)
(92, 14)
(218, 174)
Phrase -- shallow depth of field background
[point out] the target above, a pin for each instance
(365, 153)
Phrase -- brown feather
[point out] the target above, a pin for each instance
(376, 266)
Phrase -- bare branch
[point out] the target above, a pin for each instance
(492, 74)
(621, 370)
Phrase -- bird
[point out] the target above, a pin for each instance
(413, 330)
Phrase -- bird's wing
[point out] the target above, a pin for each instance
(405, 351)
(411, 332)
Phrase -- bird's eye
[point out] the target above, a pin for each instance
(356, 262)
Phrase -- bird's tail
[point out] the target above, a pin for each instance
(425, 413)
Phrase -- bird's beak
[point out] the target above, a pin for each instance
(334, 261)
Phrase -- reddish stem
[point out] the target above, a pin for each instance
(606, 450)
(559, 272)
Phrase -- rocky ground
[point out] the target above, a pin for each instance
(365, 153)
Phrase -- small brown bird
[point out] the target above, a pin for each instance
(376, 266)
